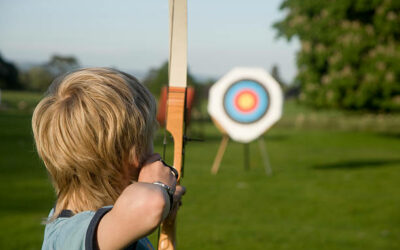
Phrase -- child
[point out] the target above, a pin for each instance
(94, 132)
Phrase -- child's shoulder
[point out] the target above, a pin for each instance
(70, 231)
(78, 231)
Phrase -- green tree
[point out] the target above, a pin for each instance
(39, 77)
(158, 77)
(8, 75)
(350, 52)
(275, 73)
(58, 64)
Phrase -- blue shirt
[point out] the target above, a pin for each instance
(73, 232)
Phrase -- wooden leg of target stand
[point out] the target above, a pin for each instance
(220, 154)
(264, 154)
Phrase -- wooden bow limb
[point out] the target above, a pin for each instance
(176, 100)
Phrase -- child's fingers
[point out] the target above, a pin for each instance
(173, 170)
(154, 170)
(179, 191)
(152, 158)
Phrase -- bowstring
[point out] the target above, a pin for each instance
(171, 21)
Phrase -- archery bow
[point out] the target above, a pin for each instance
(176, 99)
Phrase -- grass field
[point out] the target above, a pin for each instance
(335, 184)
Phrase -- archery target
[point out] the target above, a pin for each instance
(245, 103)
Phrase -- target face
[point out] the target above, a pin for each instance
(245, 103)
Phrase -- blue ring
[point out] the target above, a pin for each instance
(250, 117)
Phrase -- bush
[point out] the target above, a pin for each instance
(349, 54)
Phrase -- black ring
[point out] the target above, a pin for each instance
(173, 170)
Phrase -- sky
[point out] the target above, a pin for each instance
(133, 35)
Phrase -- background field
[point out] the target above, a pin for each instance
(335, 184)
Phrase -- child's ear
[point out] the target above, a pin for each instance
(131, 171)
(136, 162)
(133, 160)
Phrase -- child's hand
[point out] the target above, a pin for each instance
(154, 170)
(179, 192)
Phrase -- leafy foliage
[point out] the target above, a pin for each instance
(276, 74)
(40, 77)
(349, 52)
(8, 75)
(37, 78)
(158, 78)
(58, 64)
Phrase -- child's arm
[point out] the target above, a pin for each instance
(140, 208)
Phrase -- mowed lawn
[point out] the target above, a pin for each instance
(331, 188)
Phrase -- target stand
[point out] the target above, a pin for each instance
(246, 153)
(244, 104)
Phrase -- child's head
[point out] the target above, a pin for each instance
(92, 130)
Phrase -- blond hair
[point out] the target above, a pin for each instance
(90, 126)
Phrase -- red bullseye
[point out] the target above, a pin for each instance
(246, 100)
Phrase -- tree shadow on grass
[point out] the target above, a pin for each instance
(393, 135)
(357, 164)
